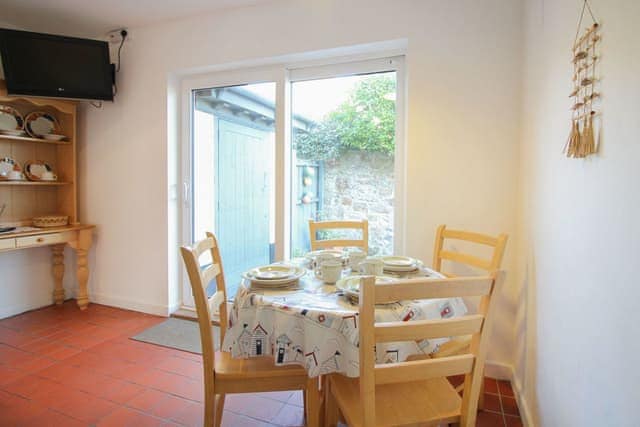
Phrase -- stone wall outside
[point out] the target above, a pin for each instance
(360, 185)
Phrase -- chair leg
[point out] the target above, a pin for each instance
(209, 408)
(481, 397)
(312, 403)
(330, 407)
(219, 409)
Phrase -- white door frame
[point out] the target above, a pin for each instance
(283, 75)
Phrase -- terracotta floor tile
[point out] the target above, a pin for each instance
(509, 405)
(290, 415)
(85, 408)
(16, 410)
(192, 416)
(505, 388)
(253, 406)
(119, 391)
(456, 380)
(8, 374)
(147, 400)
(172, 407)
(511, 421)
(50, 418)
(126, 417)
(490, 386)
(492, 402)
(180, 366)
(489, 419)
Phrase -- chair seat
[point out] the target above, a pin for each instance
(428, 402)
(254, 367)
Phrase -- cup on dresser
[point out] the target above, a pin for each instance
(15, 175)
(48, 176)
(329, 271)
(372, 266)
(356, 256)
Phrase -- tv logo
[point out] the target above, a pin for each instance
(60, 89)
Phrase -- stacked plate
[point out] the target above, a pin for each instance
(274, 276)
(400, 264)
(351, 286)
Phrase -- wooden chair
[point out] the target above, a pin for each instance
(222, 373)
(315, 226)
(414, 392)
(498, 243)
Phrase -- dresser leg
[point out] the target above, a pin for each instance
(58, 272)
(82, 272)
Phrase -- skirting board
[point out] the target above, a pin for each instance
(503, 371)
(129, 304)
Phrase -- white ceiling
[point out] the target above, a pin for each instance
(94, 18)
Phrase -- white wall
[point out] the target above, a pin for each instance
(463, 74)
(578, 219)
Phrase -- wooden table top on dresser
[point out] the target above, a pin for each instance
(78, 236)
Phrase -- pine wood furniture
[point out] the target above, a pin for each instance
(222, 373)
(497, 243)
(414, 392)
(27, 199)
(315, 226)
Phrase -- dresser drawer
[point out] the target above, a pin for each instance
(7, 244)
(43, 239)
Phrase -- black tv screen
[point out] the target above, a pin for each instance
(54, 66)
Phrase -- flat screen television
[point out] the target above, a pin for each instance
(55, 66)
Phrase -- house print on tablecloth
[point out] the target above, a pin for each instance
(244, 340)
(331, 364)
(282, 343)
(298, 353)
(311, 360)
(391, 356)
(258, 341)
(446, 310)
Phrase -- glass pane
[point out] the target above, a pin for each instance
(343, 132)
(233, 180)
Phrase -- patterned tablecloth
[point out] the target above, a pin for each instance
(317, 327)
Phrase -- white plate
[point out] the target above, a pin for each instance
(10, 120)
(53, 137)
(273, 272)
(17, 132)
(296, 273)
(335, 252)
(38, 123)
(400, 263)
(352, 283)
(7, 164)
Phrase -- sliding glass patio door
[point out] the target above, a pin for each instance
(265, 150)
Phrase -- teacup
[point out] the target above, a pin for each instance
(15, 175)
(372, 266)
(356, 256)
(329, 271)
(322, 258)
(48, 176)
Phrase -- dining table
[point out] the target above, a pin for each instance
(315, 324)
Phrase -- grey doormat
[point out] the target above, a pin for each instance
(176, 333)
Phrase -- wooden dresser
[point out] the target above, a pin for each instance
(24, 200)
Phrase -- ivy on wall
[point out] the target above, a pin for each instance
(365, 121)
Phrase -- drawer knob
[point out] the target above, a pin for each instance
(40, 239)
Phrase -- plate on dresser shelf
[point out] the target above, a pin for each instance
(54, 137)
(11, 121)
(39, 171)
(10, 170)
(38, 124)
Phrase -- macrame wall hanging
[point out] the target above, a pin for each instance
(585, 96)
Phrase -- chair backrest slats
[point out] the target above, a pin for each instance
(199, 279)
(433, 288)
(469, 364)
(315, 226)
(425, 329)
(420, 370)
(498, 243)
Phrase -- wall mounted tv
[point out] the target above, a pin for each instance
(54, 66)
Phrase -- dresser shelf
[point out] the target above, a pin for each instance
(34, 140)
(35, 183)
